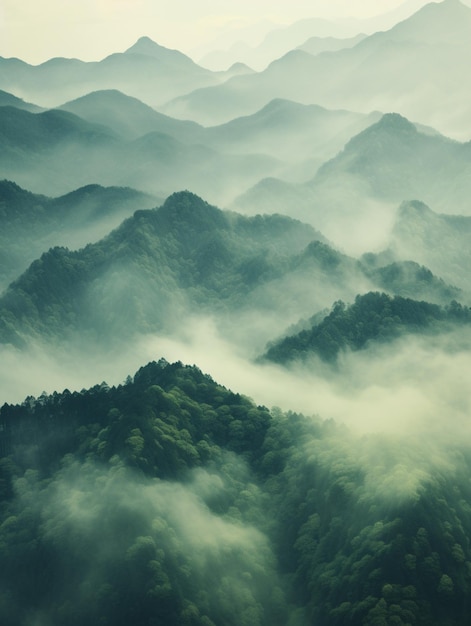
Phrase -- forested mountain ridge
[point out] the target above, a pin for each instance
(186, 257)
(170, 497)
(373, 317)
(339, 295)
(142, 273)
(32, 223)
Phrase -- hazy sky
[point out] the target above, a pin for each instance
(91, 29)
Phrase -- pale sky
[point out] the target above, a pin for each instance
(36, 30)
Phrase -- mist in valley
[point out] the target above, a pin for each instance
(235, 330)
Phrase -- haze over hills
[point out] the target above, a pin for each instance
(129, 117)
(439, 241)
(55, 151)
(389, 162)
(278, 41)
(161, 265)
(163, 496)
(383, 72)
(147, 71)
(300, 137)
(188, 258)
(316, 45)
(31, 223)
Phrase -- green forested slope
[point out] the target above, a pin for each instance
(32, 223)
(372, 317)
(185, 258)
(172, 500)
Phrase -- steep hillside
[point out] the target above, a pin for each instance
(373, 317)
(439, 241)
(187, 258)
(31, 223)
(172, 498)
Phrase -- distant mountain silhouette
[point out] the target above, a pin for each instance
(389, 162)
(8, 99)
(439, 241)
(147, 71)
(129, 117)
(414, 68)
(55, 151)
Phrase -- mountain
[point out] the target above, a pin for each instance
(383, 72)
(437, 240)
(393, 160)
(301, 136)
(55, 151)
(278, 41)
(32, 223)
(52, 151)
(317, 45)
(8, 99)
(156, 268)
(389, 162)
(374, 317)
(129, 117)
(281, 40)
(410, 279)
(175, 500)
(147, 71)
(184, 259)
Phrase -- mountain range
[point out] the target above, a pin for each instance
(414, 68)
(32, 223)
(333, 285)
(389, 162)
(56, 151)
(188, 258)
(147, 71)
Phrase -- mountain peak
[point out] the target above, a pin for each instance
(437, 22)
(396, 122)
(145, 45)
(191, 211)
(391, 125)
(415, 208)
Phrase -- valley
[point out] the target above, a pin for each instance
(235, 329)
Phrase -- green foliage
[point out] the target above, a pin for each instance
(172, 500)
(149, 272)
(373, 317)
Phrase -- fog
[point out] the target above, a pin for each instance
(415, 387)
(106, 520)
(317, 492)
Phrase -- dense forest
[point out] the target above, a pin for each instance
(169, 499)
(372, 317)
(264, 250)
(187, 257)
